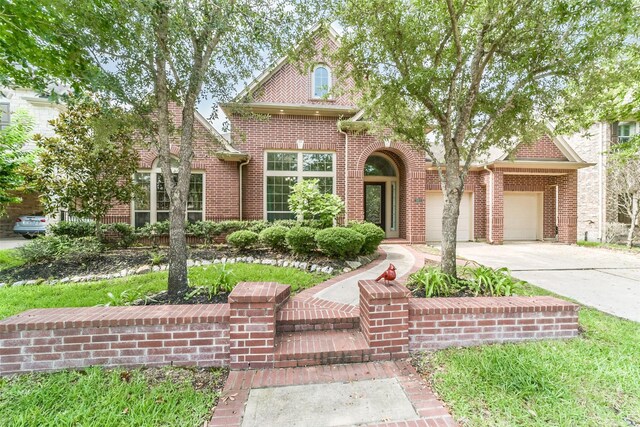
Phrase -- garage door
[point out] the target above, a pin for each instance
(435, 203)
(522, 216)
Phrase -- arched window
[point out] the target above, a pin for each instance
(153, 204)
(378, 166)
(321, 81)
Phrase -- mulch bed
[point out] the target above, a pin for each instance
(115, 261)
(162, 298)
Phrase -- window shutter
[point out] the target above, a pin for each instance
(614, 133)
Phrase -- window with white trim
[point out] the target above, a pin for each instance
(153, 204)
(321, 81)
(626, 130)
(285, 169)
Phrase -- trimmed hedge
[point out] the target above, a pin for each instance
(340, 242)
(373, 235)
(49, 248)
(301, 240)
(242, 239)
(73, 229)
(274, 237)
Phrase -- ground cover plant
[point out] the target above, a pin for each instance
(10, 258)
(110, 397)
(14, 300)
(592, 380)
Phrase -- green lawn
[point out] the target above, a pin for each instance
(9, 258)
(593, 380)
(614, 246)
(100, 397)
(14, 300)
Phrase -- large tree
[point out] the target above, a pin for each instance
(14, 159)
(457, 77)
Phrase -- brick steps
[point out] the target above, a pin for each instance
(310, 319)
(322, 347)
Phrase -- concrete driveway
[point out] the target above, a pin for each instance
(606, 280)
(11, 243)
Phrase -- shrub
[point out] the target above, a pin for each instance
(121, 234)
(373, 235)
(290, 223)
(301, 240)
(242, 239)
(434, 282)
(156, 229)
(258, 226)
(492, 282)
(339, 242)
(274, 237)
(49, 248)
(220, 280)
(207, 230)
(309, 203)
(73, 229)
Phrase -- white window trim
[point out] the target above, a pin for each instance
(329, 97)
(153, 197)
(633, 129)
(298, 174)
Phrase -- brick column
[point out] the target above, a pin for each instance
(384, 319)
(252, 323)
(568, 207)
(497, 204)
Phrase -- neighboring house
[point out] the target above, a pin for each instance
(43, 110)
(599, 214)
(530, 194)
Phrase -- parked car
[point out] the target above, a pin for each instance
(29, 226)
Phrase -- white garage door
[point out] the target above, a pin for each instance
(522, 216)
(435, 203)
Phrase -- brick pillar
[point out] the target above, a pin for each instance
(497, 204)
(384, 319)
(252, 323)
(568, 207)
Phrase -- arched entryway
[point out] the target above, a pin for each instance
(382, 193)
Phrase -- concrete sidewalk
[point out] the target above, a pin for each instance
(346, 291)
(364, 394)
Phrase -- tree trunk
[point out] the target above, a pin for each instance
(178, 277)
(453, 188)
(634, 219)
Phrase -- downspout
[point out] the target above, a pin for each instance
(346, 174)
(246, 162)
(490, 237)
(601, 183)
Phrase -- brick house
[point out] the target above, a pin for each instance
(42, 110)
(300, 130)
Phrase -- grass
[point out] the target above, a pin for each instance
(101, 397)
(593, 380)
(14, 300)
(614, 246)
(10, 258)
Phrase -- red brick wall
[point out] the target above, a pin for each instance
(545, 148)
(447, 322)
(53, 339)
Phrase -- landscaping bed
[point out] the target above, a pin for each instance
(104, 397)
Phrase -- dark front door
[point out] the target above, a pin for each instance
(374, 203)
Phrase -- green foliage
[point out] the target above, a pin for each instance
(488, 281)
(290, 223)
(434, 282)
(373, 236)
(156, 229)
(340, 242)
(242, 239)
(49, 248)
(128, 297)
(119, 234)
(156, 258)
(14, 160)
(221, 280)
(309, 203)
(73, 229)
(10, 258)
(274, 237)
(89, 165)
(301, 240)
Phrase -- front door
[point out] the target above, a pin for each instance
(375, 203)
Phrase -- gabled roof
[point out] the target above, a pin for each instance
(228, 152)
(273, 68)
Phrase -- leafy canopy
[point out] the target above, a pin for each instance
(14, 159)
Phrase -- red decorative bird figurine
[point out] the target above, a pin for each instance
(389, 275)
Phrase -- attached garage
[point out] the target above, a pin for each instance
(522, 216)
(435, 203)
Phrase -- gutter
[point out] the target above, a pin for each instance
(246, 162)
(490, 236)
(346, 173)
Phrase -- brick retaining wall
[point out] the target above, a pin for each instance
(244, 333)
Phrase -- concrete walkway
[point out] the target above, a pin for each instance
(605, 279)
(346, 291)
(381, 394)
(12, 243)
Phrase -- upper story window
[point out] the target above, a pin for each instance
(5, 115)
(626, 130)
(321, 81)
